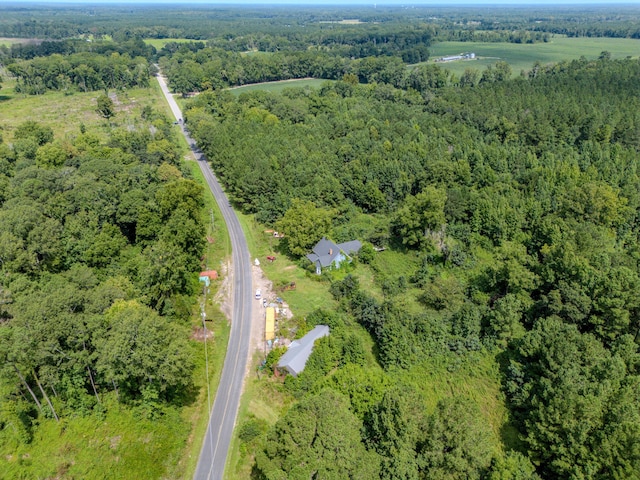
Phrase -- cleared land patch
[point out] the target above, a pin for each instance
(280, 85)
(161, 42)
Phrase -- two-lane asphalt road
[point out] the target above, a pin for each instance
(225, 407)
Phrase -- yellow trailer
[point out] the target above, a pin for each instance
(270, 323)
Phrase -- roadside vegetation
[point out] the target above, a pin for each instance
(72, 281)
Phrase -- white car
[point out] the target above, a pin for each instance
(258, 294)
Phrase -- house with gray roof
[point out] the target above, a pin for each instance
(329, 254)
(295, 358)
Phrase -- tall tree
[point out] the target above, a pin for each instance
(455, 444)
(318, 438)
(421, 217)
(141, 350)
(105, 107)
(303, 225)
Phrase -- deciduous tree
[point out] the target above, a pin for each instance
(303, 225)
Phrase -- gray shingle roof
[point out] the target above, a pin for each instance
(325, 251)
(295, 358)
(353, 246)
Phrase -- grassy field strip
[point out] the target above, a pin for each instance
(280, 85)
(198, 416)
(161, 42)
(261, 400)
(7, 42)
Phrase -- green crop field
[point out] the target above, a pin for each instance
(523, 56)
(281, 85)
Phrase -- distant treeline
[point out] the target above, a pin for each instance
(296, 28)
(134, 47)
(193, 67)
(213, 68)
(81, 71)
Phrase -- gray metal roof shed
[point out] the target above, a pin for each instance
(295, 358)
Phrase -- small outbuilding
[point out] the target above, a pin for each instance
(207, 276)
(295, 358)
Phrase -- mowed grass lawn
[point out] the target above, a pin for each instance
(523, 56)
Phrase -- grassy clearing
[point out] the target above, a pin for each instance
(523, 56)
(477, 379)
(123, 443)
(7, 42)
(280, 85)
(392, 263)
(263, 399)
(64, 113)
(161, 42)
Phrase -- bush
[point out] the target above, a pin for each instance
(345, 288)
(273, 357)
(252, 429)
(366, 253)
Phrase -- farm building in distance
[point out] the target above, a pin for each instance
(295, 359)
(462, 56)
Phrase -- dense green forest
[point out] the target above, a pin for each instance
(519, 201)
(98, 244)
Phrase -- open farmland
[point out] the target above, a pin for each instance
(7, 42)
(64, 113)
(522, 56)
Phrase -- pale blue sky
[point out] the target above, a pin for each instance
(347, 2)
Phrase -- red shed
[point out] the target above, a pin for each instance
(212, 274)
